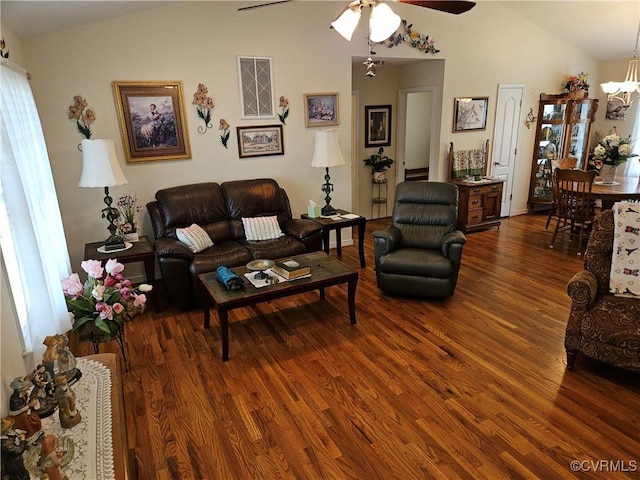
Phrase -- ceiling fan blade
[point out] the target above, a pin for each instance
(264, 4)
(451, 6)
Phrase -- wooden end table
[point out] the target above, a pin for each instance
(329, 224)
(325, 272)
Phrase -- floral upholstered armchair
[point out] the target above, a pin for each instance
(602, 325)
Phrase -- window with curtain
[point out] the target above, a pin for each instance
(34, 248)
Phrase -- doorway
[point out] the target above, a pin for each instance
(415, 130)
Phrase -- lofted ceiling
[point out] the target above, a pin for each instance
(605, 29)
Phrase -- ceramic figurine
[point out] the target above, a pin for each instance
(50, 459)
(13, 444)
(50, 355)
(67, 411)
(45, 404)
(66, 362)
(21, 409)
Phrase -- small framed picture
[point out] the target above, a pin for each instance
(470, 113)
(260, 141)
(152, 124)
(616, 111)
(377, 126)
(320, 109)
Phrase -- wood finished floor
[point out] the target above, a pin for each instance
(473, 387)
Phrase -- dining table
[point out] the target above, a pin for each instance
(624, 188)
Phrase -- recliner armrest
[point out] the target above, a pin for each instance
(582, 289)
(385, 240)
(451, 244)
(300, 228)
(170, 247)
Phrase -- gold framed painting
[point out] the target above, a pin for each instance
(320, 109)
(152, 124)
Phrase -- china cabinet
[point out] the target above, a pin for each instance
(562, 131)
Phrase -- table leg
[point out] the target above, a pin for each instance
(321, 293)
(207, 316)
(351, 293)
(325, 240)
(361, 228)
(339, 241)
(223, 315)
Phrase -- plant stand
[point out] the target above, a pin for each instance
(96, 337)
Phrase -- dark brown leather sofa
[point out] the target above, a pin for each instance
(219, 209)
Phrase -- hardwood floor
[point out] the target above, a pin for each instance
(473, 387)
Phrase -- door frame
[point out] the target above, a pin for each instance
(401, 130)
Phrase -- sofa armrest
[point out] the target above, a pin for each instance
(385, 241)
(170, 247)
(300, 228)
(582, 289)
(451, 245)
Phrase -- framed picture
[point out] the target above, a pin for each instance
(377, 126)
(260, 141)
(152, 124)
(470, 113)
(320, 109)
(616, 111)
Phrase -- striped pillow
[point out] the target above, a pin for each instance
(194, 237)
(261, 228)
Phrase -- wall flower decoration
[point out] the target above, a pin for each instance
(224, 127)
(422, 42)
(284, 105)
(204, 106)
(3, 54)
(83, 116)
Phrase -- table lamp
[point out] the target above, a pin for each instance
(327, 154)
(100, 168)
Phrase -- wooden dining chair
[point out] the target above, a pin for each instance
(564, 163)
(575, 208)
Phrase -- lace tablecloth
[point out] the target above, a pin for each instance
(93, 457)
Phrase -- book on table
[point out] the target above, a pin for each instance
(290, 269)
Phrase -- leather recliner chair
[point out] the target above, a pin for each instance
(420, 253)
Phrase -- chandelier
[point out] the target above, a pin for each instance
(622, 90)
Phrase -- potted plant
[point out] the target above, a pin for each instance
(379, 163)
(128, 225)
(610, 152)
(101, 305)
(577, 86)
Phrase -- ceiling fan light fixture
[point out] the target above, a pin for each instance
(347, 22)
(382, 22)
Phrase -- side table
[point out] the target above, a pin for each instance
(141, 251)
(338, 224)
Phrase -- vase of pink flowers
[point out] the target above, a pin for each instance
(105, 300)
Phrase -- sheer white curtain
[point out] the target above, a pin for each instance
(34, 248)
(632, 166)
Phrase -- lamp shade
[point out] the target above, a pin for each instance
(382, 22)
(326, 152)
(347, 22)
(100, 167)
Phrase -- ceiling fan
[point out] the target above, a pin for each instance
(382, 21)
(455, 7)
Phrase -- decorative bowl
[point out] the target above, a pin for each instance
(260, 265)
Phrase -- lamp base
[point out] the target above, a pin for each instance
(328, 210)
(113, 243)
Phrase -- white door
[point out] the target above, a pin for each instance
(505, 139)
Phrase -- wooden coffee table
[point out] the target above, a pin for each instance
(325, 272)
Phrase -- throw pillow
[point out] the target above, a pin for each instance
(194, 237)
(262, 228)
